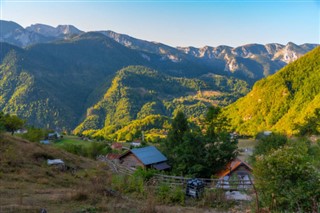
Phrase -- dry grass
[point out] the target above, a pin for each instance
(28, 184)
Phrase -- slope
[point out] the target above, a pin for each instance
(137, 92)
(29, 184)
(281, 101)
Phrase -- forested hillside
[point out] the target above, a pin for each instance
(137, 92)
(282, 101)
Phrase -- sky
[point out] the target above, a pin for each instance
(179, 22)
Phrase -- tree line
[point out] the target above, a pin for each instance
(196, 152)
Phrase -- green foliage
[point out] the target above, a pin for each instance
(134, 129)
(138, 92)
(167, 194)
(311, 124)
(35, 134)
(187, 158)
(12, 123)
(287, 180)
(145, 174)
(92, 150)
(192, 153)
(215, 123)
(129, 184)
(220, 147)
(269, 143)
(179, 128)
(280, 101)
(219, 151)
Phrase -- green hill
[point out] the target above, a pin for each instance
(280, 101)
(137, 92)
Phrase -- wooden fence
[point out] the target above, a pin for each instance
(157, 179)
(209, 183)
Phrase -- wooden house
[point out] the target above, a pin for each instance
(146, 157)
(236, 171)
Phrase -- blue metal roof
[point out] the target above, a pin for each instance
(149, 155)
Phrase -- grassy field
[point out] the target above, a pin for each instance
(246, 143)
(246, 147)
(72, 140)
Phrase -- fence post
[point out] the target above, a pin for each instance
(256, 193)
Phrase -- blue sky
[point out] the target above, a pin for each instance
(180, 22)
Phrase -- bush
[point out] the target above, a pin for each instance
(145, 174)
(97, 148)
(287, 180)
(269, 143)
(167, 194)
(35, 134)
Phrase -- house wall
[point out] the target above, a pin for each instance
(130, 160)
(241, 169)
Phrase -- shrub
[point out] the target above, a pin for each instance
(167, 194)
(145, 174)
(287, 180)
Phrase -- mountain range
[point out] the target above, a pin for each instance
(64, 77)
(249, 62)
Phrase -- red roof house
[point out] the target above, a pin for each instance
(238, 169)
(236, 166)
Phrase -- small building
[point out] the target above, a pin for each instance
(146, 157)
(135, 143)
(241, 173)
(54, 136)
(116, 146)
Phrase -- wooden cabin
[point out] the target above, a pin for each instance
(146, 157)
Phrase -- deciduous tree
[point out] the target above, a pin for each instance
(287, 181)
(12, 123)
